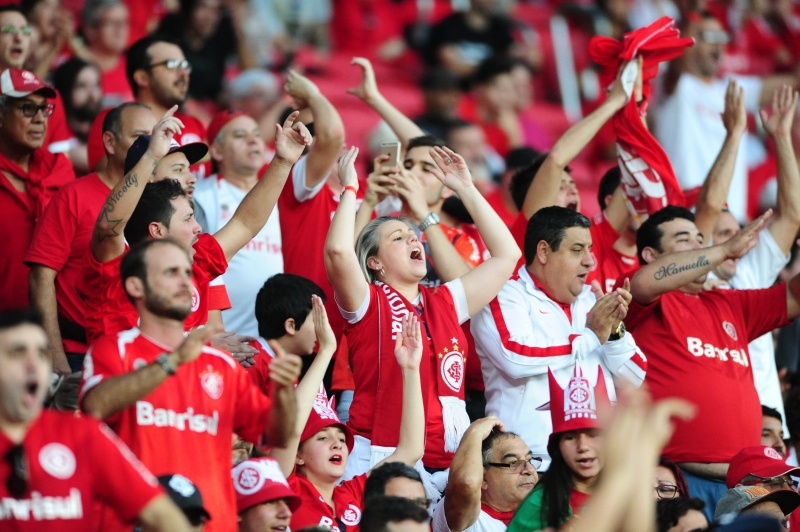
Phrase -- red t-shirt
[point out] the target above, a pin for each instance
(114, 82)
(59, 137)
(696, 348)
(186, 424)
(348, 502)
(609, 264)
(112, 311)
(193, 131)
(495, 199)
(61, 242)
(74, 464)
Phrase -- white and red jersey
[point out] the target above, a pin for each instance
(216, 200)
(609, 264)
(74, 465)
(186, 424)
(484, 523)
(348, 502)
(696, 347)
(521, 334)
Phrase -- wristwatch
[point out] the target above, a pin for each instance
(431, 219)
(163, 361)
(619, 333)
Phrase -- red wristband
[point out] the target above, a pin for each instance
(349, 187)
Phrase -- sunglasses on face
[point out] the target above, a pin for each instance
(17, 481)
(30, 109)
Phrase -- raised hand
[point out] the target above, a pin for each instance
(284, 368)
(163, 131)
(193, 344)
(484, 426)
(623, 86)
(451, 169)
(745, 239)
(300, 88)
(368, 90)
(322, 328)
(347, 168)
(734, 117)
(291, 139)
(408, 345)
(411, 191)
(784, 103)
(379, 181)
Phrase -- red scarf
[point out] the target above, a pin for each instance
(505, 517)
(447, 345)
(648, 179)
(48, 173)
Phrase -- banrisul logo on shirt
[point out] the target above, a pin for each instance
(730, 329)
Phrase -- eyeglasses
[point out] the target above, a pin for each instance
(172, 64)
(715, 37)
(12, 30)
(777, 483)
(516, 466)
(667, 491)
(17, 481)
(30, 109)
(422, 502)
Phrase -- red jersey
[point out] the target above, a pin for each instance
(193, 131)
(495, 199)
(61, 242)
(696, 348)
(609, 264)
(186, 424)
(259, 372)
(59, 137)
(348, 502)
(112, 311)
(114, 82)
(74, 464)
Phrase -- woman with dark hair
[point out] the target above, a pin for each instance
(576, 455)
(670, 482)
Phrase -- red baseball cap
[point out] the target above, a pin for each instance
(761, 461)
(260, 480)
(18, 83)
(219, 121)
(324, 415)
(94, 144)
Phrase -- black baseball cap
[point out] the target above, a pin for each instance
(194, 151)
(185, 495)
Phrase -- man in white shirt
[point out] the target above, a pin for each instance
(238, 148)
(491, 474)
(688, 124)
(548, 316)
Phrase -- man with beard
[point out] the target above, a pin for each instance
(175, 401)
(491, 474)
(61, 241)
(50, 479)
(158, 73)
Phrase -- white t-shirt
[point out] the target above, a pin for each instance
(690, 130)
(485, 522)
(215, 202)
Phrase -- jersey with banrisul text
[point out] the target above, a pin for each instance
(348, 499)
(186, 424)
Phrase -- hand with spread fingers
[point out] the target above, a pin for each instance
(784, 103)
(291, 139)
(451, 169)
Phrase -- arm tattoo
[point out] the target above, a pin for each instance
(105, 226)
(666, 271)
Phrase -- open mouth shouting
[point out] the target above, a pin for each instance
(336, 459)
(416, 255)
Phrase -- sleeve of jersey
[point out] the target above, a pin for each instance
(518, 230)
(102, 361)
(53, 235)
(625, 360)
(132, 486)
(218, 295)
(505, 334)
(252, 408)
(210, 256)
(301, 191)
(764, 310)
(355, 487)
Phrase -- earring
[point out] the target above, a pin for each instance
(383, 273)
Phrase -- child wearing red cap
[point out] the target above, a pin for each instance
(315, 458)
(575, 448)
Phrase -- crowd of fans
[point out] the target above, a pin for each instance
(399, 265)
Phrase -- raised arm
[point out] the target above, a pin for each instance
(483, 283)
(283, 373)
(107, 241)
(674, 270)
(258, 204)
(306, 390)
(714, 192)
(402, 126)
(341, 263)
(462, 497)
(408, 351)
(786, 222)
(328, 127)
(547, 181)
(113, 395)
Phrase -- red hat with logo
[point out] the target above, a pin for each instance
(760, 461)
(324, 415)
(18, 83)
(575, 407)
(260, 480)
(219, 121)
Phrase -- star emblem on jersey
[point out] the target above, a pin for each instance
(730, 329)
(769, 452)
(452, 369)
(57, 460)
(212, 383)
(351, 516)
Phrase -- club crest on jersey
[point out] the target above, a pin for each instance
(351, 516)
(212, 383)
(57, 460)
(195, 299)
(730, 329)
(452, 368)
